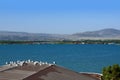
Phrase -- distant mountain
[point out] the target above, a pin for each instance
(100, 34)
(104, 33)
(7, 35)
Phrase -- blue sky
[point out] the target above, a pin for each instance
(59, 16)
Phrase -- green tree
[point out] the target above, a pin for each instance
(111, 72)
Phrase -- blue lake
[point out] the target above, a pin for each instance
(80, 58)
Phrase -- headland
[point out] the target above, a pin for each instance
(37, 70)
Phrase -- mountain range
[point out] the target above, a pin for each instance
(99, 34)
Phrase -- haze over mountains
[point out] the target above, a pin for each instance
(100, 34)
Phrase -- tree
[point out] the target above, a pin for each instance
(111, 72)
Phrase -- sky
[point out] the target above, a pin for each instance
(59, 16)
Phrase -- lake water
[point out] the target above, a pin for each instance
(81, 58)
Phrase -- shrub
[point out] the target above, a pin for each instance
(111, 72)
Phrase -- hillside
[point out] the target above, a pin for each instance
(24, 36)
(100, 34)
(21, 36)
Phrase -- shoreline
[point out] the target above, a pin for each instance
(109, 42)
(90, 73)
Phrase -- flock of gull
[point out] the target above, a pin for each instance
(21, 63)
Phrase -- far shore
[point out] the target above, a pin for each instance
(62, 42)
